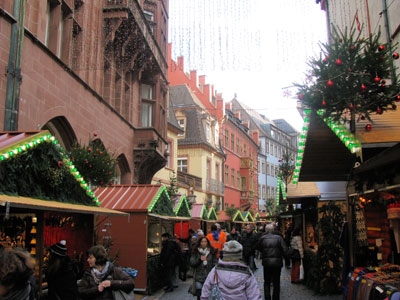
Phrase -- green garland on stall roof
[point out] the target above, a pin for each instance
(163, 206)
(183, 210)
(40, 173)
(326, 267)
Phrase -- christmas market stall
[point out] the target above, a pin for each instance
(150, 215)
(199, 217)
(44, 199)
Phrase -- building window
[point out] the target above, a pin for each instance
(268, 170)
(233, 142)
(233, 177)
(226, 138)
(181, 123)
(259, 191)
(263, 191)
(263, 167)
(208, 132)
(238, 179)
(237, 145)
(267, 146)
(258, 165)
(182, 165)
(245, 150)
(147, 106)
(244, 185)
(226, 174)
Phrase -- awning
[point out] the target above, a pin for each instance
(388, 157)
(169, 217)
(25, 202)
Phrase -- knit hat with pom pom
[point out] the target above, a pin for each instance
(232, 250)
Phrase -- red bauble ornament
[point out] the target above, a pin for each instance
(395, 55)
(352, 48)
(383, 81)
(89, 149)
(60, 163)
(101, 182)
(352, 106)
(109, 173)
(377, 79)
(101, 152)
(363, 88)
(338, 62)
(379, 111)
(381, 48)
(300, 96)
(325, 60)
(329, 83)
(94, 134)
(323, 103)
(368, 127)
(398, 98)
(90, 166)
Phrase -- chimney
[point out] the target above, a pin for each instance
(206, 92)
(202, 79)
(193, 78)
(228, 105)
(255, 136)
(180, 63)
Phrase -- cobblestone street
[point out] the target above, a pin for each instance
(288, 290)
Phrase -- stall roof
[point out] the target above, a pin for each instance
(222, 216)
(199, 211)
(130, 198)
(212, 214)
(247, 216)
(25, 202)
(181, 206)
(387, 157)
(238, 217)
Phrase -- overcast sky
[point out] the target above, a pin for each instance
(254, 48)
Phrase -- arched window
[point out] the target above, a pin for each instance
(62, 130)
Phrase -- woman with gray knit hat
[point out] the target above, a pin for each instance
(234, 278)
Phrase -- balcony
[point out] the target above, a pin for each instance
(214, 186)
(113, 7)
(246, 163)
(246, 199)
(189, 180)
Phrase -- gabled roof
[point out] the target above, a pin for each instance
(238, 217)
(247, 216)
(199, 211)
(212, 214)
(172, 119)
(181, 207)
(14, 143)
(136, 198)
(283, 125)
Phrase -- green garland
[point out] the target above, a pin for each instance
(351, 79)
(94, 162)
(41, 173)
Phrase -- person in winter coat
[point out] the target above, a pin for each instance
(16, 268)
(272, 247)
(102, 277)
(217, 237)
(61, 277)
(234, 278)
(202, 260)
(170, 257)
(249, 242)
(234, 235)
(297, 245)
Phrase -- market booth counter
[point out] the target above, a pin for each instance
(137, 239)
(36, 224)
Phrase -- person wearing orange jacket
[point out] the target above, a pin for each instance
(217, 238)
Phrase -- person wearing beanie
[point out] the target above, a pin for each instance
(60, 274)
(234, 278)
(272, 247)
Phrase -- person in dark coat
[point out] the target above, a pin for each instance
(272, 247)
(61, 277)
(234, 235)
(249, 242)
(170, 257)
(202, 260)
(288, 237)
(102, 277)
(16, 268)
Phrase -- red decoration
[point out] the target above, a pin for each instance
(89, 149)
(352, 48)
(368, 127)
(381, 48)
(94, 134)
(338, 62)
(352, 106)
(60, 163)
(101, 152)
(109, 173)
(363, 88)
(379, 111)
(395, 55)
(300, 96)
(398, 98)
(325, 60)
(329, 83)
(383, 81)
(377, 79)
(323, 103)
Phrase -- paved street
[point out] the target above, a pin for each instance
(288, 290)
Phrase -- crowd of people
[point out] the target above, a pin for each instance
(221, 265)
(228, 260)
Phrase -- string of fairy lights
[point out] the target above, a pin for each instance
(37, 139)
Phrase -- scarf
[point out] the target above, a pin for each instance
(99, 276)
(216, 235)
(22, 294)
(204, 252)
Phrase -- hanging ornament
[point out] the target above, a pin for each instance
(323, 103)
(325, 60)
(363, 88)
(352, 48)
(377, 79)
(300, 97)
(379, 111)
(338, 62)
(329, 84)
(398, 98)
(351, 106)
(94, 134)
(381, 48)
(89, 149)
(60, 163)
(368, 127)
(383, 81)
(395, 55)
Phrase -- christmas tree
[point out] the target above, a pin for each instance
(352, 79)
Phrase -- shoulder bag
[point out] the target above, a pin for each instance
(121, 295)
(215, 291)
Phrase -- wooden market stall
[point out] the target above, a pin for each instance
(36, 224)
(199, 217)
(150, 215)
